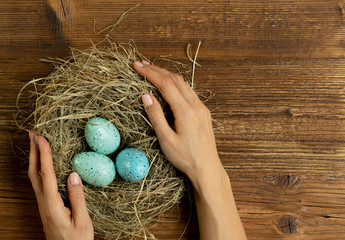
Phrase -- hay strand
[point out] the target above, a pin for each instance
(193, 60)
(119, 20)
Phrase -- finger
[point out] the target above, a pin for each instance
(167, 86)
(34, 165)
(157, 118)
(47, 169)
(158, 69)
(185, 89)
(77, 198)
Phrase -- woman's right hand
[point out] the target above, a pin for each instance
(190, 144)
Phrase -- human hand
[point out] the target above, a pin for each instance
(59, 222)
(190, 146)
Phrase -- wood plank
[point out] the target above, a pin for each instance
(313, 204)
(307, 29)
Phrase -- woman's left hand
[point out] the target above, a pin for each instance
(59, 222)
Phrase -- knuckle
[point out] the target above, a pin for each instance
(194, 99)
(197, 112)
(176, 77)
(186, 84)
(76, 194)
(155, 67)
(189, 112)
(30, 174)
(205, 110)
(148, 69)
(179, 78)
(168, 143)
(202, 109)
(155, 118)
(44, 173)
(167, 81)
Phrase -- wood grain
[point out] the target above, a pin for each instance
(276, 69)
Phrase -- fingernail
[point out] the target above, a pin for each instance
(147, 100)
(138, 64)
(30, 135)
(74, 179)
(35, 138)
(146, 63)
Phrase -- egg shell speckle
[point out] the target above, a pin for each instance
(102, 136)
(94, 168)
(132, 164)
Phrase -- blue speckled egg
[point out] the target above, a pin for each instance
(102, 136)
(94, 168)
(132, 164)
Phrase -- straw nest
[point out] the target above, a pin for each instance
(100, 82)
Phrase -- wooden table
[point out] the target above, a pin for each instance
(277, 69)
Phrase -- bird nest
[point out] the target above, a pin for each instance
(101, 82)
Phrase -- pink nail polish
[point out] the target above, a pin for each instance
(138, 64)
(147, 100)
(146, 63)
(30, 135)
(35, 139)
(74, 179)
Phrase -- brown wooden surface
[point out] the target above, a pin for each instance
(277, 69)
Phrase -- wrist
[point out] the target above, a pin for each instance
(208, 178)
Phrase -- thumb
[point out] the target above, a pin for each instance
(77, 198)
(156, 116)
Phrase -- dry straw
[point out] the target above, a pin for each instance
(100, 82)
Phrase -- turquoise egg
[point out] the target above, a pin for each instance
(94, 168)
(102, 136)
(132, 164)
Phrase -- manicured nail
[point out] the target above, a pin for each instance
(35, 139)
(146, 63)
(138, 64)
(147, 100)
(31, 134)
(74, 179)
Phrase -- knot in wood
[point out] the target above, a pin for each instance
(288, 225)
(288, 181)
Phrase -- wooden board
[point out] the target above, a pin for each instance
(277, 69)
